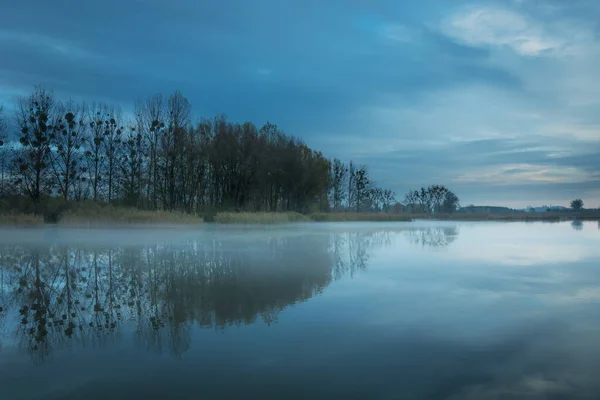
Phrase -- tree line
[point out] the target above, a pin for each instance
(158, 159)
(432, 200)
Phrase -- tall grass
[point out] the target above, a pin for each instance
(96, 215)
(21, 219)
(348, 217)
(259, 217)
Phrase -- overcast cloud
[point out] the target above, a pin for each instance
(499, 100)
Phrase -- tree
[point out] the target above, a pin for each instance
(577, 205)
(111, 147)
(361, 186)
(451, 203)
(338, 177)
(3, 134)
(99, 117)
(35, 118)
(431, 200)
(67, 140)
(130, 165)
(172, 145)
(150, 114)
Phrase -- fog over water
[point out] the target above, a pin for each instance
(427, 310)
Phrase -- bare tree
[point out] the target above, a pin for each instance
(3, 145)
(151, 116)
(362, 185)
(172, 144)
(435, 198)
(339, 175)
(351, 188)
(99, 119)
(130, 164)
(35, 118)
(111, 147)
(67, 141)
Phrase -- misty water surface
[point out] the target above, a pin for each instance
(424, 310)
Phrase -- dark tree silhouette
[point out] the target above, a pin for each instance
(160, 161)
(35, 118)
(3, 157)
(577, 205)
(68, 139)
(431, 200)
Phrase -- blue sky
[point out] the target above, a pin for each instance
(499, 100)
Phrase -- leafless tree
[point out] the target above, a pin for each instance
(67, 140)
(3, 151)
(35, 117)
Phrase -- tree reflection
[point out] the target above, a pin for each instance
(577, 225)
(64, 296)
(432, 236)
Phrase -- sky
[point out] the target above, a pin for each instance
(498, 100)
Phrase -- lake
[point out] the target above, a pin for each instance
(422, 310)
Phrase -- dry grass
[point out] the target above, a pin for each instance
(259, 217)
(21, 219)
(349, 217)
(108, 215)
(548, 216)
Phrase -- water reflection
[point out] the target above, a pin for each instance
(577, 225)
(63, 295)
(433, 236)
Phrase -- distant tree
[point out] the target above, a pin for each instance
(111, 148)
(450, 203)
(434, 199)
(67, 140)
(130, 165)
(351, 188)
(362, 186)
(3, 151)
(35, 117)
(99, 117)
(171, 147)
(338, 177)
(151, 116)
(396, 208)
(388, 198)
(577, 204)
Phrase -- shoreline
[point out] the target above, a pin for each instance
(145, 219)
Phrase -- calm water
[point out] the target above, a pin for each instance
(352, 311)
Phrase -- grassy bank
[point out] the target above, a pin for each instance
(92, 214)
(21, 219)
(550, 217)
(365, 217)
(259, 217)
(286, 217)
(108, 215)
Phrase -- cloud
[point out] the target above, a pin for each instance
(494, 26)
(526, 174)
(39, 43)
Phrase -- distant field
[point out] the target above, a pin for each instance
(548, 216)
